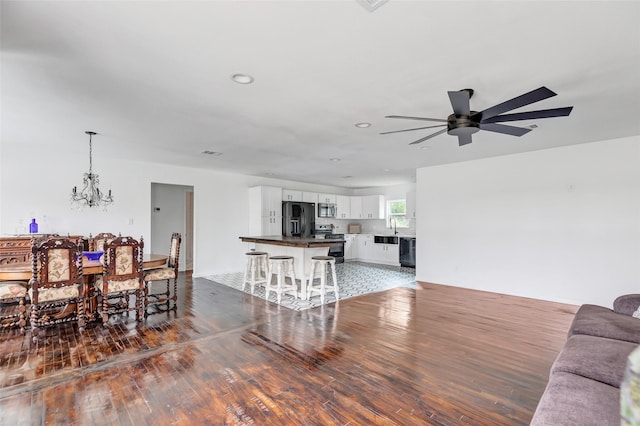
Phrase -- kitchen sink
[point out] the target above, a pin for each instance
(385, 239)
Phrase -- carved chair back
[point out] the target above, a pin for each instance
(54, 265)
(123, 263)
(174, 251)
(97, 243)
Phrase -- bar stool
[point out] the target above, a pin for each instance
(282, 266)
(255, 272)
(322, 289)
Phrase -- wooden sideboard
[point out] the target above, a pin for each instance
(17, 249)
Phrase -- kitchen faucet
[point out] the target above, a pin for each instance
(395, 228)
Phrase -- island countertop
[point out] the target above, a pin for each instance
(279, 240)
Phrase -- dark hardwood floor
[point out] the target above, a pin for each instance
(434, 356)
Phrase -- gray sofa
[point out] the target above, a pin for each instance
(584, 383)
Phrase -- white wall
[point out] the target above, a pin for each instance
(561, 224)
(40, 187)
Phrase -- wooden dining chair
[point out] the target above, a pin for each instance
(56, 287)
(97, 243)
(122, 278)
(167, 273)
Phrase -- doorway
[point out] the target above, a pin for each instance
(172, 211)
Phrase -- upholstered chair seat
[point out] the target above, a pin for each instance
(158, 274)
(52, 294)
(12, 292)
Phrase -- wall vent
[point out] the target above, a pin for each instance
(372, 5)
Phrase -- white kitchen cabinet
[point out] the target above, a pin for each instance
(309, 197)
(356, 207)
(265, 211)
(291, 195)
(350, 247)
(364, 247)
(386, 253)
(343, 207)
(411, 205)
(270, 226)
(373, 207)
(327, 198)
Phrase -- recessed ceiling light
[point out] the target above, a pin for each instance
(214, 153)
(363, 125)
(385, 170)
(242, 78)
(334, 159)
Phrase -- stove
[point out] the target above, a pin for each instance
(326, 232)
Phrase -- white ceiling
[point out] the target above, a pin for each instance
(153, 79)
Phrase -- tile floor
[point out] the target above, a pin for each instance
(354, 279)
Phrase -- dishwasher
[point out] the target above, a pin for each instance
(408, 251)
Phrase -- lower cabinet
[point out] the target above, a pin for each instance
(363, 248)
(350, 248)
(386, 253)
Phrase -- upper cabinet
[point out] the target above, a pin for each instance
(356, 207)
(265, 211)
(327, 198)
(372, 207)
(343, 207)
(309, 197)
(290, 195)
(300, 196)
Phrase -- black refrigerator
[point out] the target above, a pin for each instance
(298, 219)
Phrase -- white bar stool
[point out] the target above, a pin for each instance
(322, 289)
(282, 266)
(255, 272)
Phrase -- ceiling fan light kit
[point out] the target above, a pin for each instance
(464, 122)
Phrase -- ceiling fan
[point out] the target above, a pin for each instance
(464, 122)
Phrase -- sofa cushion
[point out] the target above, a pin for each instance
(627, 304)
(599, 321)
(572, 400)
(596, 358)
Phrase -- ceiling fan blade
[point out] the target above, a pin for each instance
(410, 130)
(502, 128)
(530, 115)
(429, 137)
(416, 118)
(464, 139)
(460, 102)
(517, 102)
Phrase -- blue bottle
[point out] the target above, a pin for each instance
(33, 227)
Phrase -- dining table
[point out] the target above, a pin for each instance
(22, 271)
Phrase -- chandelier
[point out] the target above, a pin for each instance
(90, 195)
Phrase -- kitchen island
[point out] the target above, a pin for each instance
(302, 249)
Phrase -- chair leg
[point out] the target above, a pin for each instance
(80, 314)
(310, 281)
(323, 281)
(332, 266)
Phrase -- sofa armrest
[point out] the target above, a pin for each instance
(626, 304)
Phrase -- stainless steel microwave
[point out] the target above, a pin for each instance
(326, 210)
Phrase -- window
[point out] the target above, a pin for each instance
(397, 211)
